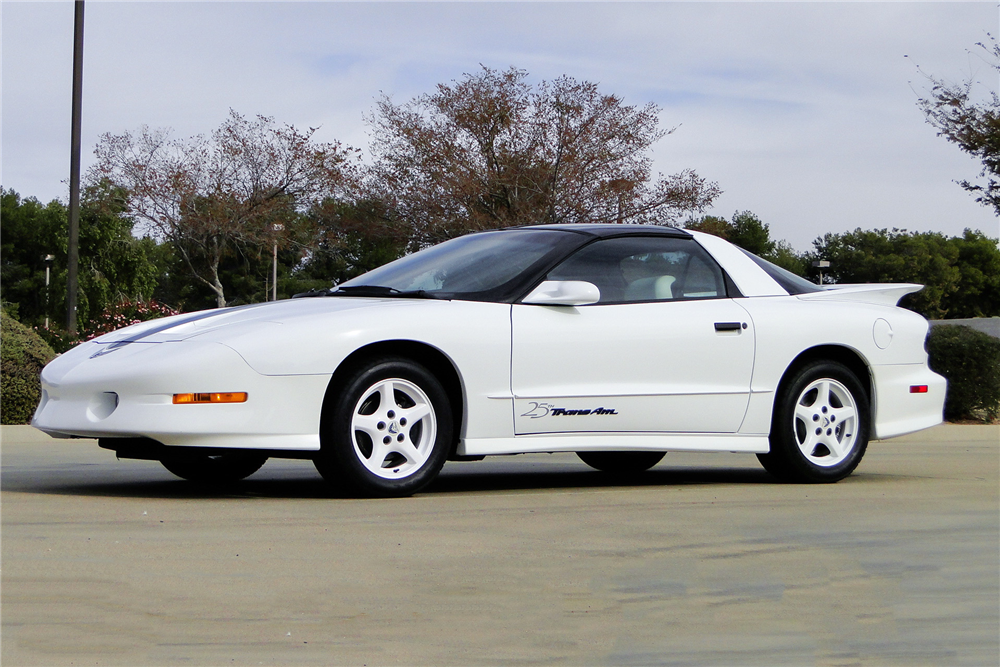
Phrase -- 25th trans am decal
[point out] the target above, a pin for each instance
(539, 410)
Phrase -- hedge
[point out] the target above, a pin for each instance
(22, 355)
(970, 360)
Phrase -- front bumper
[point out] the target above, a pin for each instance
(127, 393)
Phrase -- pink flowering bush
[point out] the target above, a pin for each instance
(124, 313)
(115, 316)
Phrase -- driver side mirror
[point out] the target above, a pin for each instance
(564, 293)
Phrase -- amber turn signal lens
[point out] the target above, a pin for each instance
(918, 389)
(219, 397)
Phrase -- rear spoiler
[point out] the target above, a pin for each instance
(883, 294)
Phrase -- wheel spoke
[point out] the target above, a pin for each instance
(413, 455)
(823, 396)
(836, 447)
(805, 413)
(416, 413)
(387, 396)
(808, 446)
(379, 452)
(843, 415)
(369, 424)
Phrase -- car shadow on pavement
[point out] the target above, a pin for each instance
(476, 481)
(301, 484)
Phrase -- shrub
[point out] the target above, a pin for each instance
(58, 338)
(22, 356)
(970, 360)
(124, 313)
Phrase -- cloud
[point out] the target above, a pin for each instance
(804, 113)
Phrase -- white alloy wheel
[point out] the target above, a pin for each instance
(825, 422)
(393, 428)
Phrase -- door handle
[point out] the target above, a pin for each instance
(730, 326)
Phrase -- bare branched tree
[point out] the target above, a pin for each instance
(211, 195)
(973, 125)
(490, 150)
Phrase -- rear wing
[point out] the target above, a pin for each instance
(883, 294)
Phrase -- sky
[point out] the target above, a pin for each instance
(804, 113)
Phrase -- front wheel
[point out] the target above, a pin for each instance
(214, 468)
(388, 432)
(819, 430)
(621, 462)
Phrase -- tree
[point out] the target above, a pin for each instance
(114, 264)
(973, 126)
(212, 196)
(747, 231)
(349, 239)
(961, 275)
(978, 293)
(490, 150)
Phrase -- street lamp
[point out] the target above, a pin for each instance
(48, 269)
(821, 264)
(274, 273)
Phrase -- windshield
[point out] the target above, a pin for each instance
(484, 266)
(791, 283)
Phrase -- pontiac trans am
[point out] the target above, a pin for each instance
(616, 342)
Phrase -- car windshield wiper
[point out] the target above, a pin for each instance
(368, 290)
(326, 291)
(380, 290)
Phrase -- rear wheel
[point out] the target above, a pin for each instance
(819, 431)
(621, 462)
(214, 468)
(388, 432)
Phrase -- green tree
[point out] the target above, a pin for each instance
(883, 256)
(747, 231)
(114, 264)
(978, 263)
(973, 125)
(29, 232)
(350, 239)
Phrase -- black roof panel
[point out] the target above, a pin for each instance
(608, 230)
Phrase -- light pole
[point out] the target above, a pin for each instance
(821, 264)
(48, 270)
(73, 255)
(274, 271)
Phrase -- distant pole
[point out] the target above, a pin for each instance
(48, 270)
(74, 171)
(274, 274)
(821, 264)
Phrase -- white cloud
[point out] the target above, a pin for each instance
(804, 113)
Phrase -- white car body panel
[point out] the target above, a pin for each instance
(635, 376)
(561, 363)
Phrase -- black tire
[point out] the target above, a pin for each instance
(809, 442)
(621, 462)
(214, 468)
(369, 446)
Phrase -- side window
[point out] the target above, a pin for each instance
(644, 268)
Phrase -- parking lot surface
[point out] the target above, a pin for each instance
(527, 560)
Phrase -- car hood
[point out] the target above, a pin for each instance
(189, 325)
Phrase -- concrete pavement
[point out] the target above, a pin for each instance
(526, 560)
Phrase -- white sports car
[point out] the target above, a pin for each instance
(616, 342)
